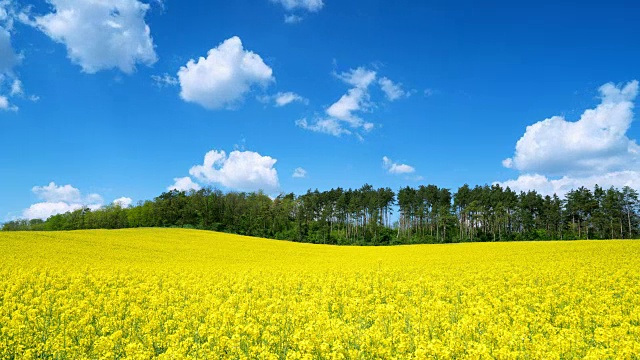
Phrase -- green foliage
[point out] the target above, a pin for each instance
(427, 214)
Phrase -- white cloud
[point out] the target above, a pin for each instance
(6, 105)
(392, 90)
(325, 126)
(93, 199)
(306, 5)
(10, 11)
(563, 185)
(299, 173)
(395, 168)
(10, 85)
(8, 57)
(123, 202)
(343, 117)
(292, 19)
(184, 184)
(241, 170)
(16, 88)
(164, 80)
(344, 112)
(101, 34)
(59, 199)
(595, 144)
(354, 100)
(55, 193)
(286, 98)
(556, 156)
(224, 77)
(299, 5)
(360, 77)
(46, 209)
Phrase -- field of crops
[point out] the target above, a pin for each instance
(140, 294)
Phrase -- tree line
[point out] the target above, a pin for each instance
(370, 216)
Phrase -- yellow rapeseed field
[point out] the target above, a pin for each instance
(172, 294)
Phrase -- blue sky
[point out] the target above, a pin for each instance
(122, 99)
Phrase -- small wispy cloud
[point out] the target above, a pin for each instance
(396, 168)
(299, 173)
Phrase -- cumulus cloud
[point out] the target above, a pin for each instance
(58, 199)
(395, 168)
(241, 170)
(224, 77)
(184, 184)
(299, 173)
(45, 210)
(556, 155)
(102, 34)
(306, 5)
(286, 98)
(55, 193)
(563, 185)
(595, 144)
(392, 90)
(123, 202)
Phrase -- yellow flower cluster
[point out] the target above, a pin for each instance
(172, 294)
